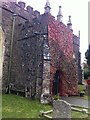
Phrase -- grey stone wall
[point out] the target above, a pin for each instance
(8, 9)
(76, 49)
(27, 60)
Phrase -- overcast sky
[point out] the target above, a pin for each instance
(78, 9)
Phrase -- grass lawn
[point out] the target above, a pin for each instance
(76, 114)
(19, 107)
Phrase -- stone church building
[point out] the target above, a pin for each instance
(38, 53)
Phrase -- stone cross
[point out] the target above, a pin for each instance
(61, 109)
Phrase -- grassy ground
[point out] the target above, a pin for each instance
(77, 114)
(19, 107)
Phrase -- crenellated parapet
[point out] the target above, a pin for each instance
(20, 9)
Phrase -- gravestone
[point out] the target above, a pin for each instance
(61, 109)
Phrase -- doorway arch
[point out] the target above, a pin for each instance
(56, 83)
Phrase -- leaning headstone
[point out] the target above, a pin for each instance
(61, 109)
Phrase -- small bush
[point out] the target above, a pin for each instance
(81, 88)
(56, 97)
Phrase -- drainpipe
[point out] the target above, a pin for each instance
(11, 49)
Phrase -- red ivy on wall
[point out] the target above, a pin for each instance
(61, 49)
